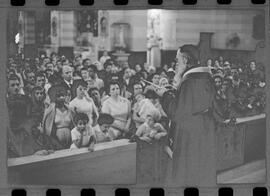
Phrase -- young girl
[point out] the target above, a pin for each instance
(151, 129)
(82, 135)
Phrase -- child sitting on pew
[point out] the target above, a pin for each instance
(102, 129)
(82, 135)
(151, 129)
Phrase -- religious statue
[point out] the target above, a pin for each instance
(121, 34)
(120, 40)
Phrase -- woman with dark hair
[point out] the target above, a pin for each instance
(140, 72)
(95, 95)
(120, 109)
(83, 103)
(154, 78)
(57, 120)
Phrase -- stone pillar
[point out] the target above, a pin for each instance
(12, 27)
(62, 31)
(205, 47)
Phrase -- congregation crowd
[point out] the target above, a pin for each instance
(58, 103)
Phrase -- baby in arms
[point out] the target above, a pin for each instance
(151, 129)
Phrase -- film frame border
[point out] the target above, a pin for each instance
(239, 189)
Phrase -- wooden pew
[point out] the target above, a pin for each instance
(119, 162)
(245, 163)
(111, 162)
(253, 172)
(238, 151)
(241, 143)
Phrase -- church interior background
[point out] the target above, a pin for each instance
(150, 38)
(137, 36)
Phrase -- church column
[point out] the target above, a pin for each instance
(30, 48)
(12, 32)
(63, 32)
(154, 38)
(205, 47)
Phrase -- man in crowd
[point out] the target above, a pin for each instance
(40, 79)
(30, 82)
(18, 104)
(86, 62)
(67, 76)
(137, 88)
(20, 141)
(92, 69)
(85, 74)
(58, 67)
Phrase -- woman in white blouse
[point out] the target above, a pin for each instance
(120, 108)
(82, 103)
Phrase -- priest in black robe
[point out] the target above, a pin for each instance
(193, 114)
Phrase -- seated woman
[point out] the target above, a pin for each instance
(120, 109)
(102, 131)
(137, 119)
(82, 134)
(139, 73)
(95, 95)
(163, 82)
(57, 120)
(83, 103)
(154, 78)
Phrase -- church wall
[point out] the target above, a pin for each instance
(185, 27)
(138, 31)
(138, 26)
(182, 27)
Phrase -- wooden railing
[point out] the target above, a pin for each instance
(248, 118)
(111, 162)
(242, 142)
(238, 144)
(121, 162)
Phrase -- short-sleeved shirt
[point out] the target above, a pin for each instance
(102, 137)
(85, 136)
